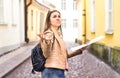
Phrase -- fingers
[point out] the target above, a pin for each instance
(41, 35)
(84, 48)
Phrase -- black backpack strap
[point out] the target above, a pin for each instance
(33, 72)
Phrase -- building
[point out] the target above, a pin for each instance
(36, 12)
(68, 9)
(20, 22)
(11, 25)
(101, 17)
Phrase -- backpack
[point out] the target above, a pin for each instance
(38, 59)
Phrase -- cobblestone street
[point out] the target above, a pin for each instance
(81, 66)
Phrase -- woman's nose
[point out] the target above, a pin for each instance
(58, 17)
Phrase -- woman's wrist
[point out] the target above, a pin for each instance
(81, 51)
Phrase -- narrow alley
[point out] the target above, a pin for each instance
(80, 66)
(77, 22)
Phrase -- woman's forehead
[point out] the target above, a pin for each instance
(55, 13)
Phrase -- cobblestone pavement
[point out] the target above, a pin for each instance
(81, 66)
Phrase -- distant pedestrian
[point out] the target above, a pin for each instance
(54, 47)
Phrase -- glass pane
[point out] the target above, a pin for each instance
(110, 20)
(1, 11)
(110, 4)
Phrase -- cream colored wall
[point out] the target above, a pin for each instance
(37, 20)
(9, 35)
(32, 34)
(12, 32)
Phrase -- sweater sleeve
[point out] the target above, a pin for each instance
(46, 43)
(74, 53)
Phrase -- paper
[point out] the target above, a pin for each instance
(90, 42)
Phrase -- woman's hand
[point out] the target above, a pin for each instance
(44, 37)
(41, 35)
(84, 48)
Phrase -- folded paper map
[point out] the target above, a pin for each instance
(87, 44)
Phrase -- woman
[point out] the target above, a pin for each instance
(54, 48)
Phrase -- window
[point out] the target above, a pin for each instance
(64, 23)
(1, 12)
(75, 23)
(7, 13)
(13, 12)
(41, 22)
(109, 16)
(63, 4)
(92, 15)
(32, 20)
(74, 5)
(75, 28)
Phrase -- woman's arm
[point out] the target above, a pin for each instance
(76, 52)
(46, 42)
(71, 53)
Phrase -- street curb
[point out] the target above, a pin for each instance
(9, 65)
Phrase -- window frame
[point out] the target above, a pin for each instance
(64, 26)
(93, 20)
(109, 16)
(2, 15)
(74, 5)
(75, 23)
(63, 4)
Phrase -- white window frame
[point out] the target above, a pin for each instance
(64, 23)
(74, 5)
(93, 21)
(2, 15)
(63, 4)
(75, 23)
(8, 12)
(109, 16)
(13, 12)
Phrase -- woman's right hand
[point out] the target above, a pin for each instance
(41, 35)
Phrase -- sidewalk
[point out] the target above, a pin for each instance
(11, 60)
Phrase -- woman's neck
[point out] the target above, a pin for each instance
(55, 29)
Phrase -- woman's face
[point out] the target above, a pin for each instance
(55, 19)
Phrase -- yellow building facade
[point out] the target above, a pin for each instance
(111, 39)
(101, 17)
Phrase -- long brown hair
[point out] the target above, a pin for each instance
(47, 21)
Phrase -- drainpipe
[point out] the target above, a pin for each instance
(26, 25)
(84, 22)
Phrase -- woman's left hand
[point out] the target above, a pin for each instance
(84, 48)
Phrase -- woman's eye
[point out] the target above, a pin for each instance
(59, 16)
(54, 16)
